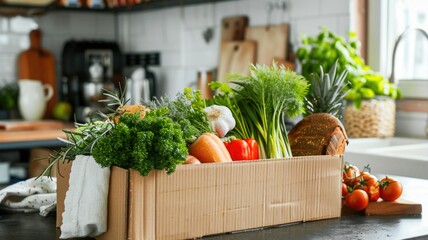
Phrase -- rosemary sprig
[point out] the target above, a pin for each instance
(82, 139)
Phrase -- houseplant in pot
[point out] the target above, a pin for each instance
(370, 108)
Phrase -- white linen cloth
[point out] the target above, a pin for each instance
(33, 194)
(85, 204)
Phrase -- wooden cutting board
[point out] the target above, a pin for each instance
(203, 80)
(381, 208)
(233, 28)
(236, 57)
(272, 42)
(398, 207)
(30, 125)
(37, 63)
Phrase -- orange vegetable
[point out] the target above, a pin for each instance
(130, 109)
(208, 148)
(191, 160)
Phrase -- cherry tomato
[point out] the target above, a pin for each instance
(365, 179)
(390, 189)
(369, 184)
(344, 189)
(357, 200)
(373, 193)
(350, 172)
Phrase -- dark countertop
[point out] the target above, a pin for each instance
(32, 226)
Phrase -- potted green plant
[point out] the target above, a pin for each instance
(8, 99)
(370, 111)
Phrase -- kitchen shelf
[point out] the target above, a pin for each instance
(8, 9)
(159, 4)
(28, 9)
(25, 6)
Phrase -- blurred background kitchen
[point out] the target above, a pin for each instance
(159, 47)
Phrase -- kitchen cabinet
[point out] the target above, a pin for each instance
(11, 9)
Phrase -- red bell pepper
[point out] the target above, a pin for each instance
(247, 149)
(254, 148)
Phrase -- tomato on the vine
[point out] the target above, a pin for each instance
(344, 189)
(365, 179)
(390, 189)
(369, 184)
(350, 173)
(357, 200)
(373, 192)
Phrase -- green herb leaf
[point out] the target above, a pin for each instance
(154, 142)
(260, 102)
(329, 47)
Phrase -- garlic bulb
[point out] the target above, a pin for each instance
(221, 119)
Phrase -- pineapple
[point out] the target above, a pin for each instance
(321, 132)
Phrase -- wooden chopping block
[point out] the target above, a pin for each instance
(272, 42)
(398, 207)
(37, 63)
(287, 64)
(233, 28)
(236, 57)
(30, 125)
(204, 78)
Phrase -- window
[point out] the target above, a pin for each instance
(412, 50)
(388, 19)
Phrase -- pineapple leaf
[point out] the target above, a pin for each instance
(326, 91)
(333, 71)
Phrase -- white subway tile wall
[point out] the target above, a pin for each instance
(183, 49)
(57, 27)
(21, 24)
(334, 7)
(172, 29)
(305, 9)
(12, 41)
(4, 24)
(226, 9)
(174, 32)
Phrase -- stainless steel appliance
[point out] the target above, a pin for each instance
(88, 67)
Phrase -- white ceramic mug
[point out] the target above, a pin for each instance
(33, 98)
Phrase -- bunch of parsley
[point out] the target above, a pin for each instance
(154, 142)
(158, 141)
